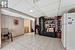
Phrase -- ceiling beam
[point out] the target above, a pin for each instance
(16, 11)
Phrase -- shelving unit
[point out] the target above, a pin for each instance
(47, 26)
(59, 26)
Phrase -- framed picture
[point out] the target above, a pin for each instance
(16, 21)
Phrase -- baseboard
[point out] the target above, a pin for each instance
(18, 35)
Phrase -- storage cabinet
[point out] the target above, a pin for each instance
(59, 25)
(41, 25)
(47, 27)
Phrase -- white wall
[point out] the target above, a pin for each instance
(33, 24)
(37, 21)
(8, 22)
(64, 25)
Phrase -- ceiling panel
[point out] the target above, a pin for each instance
(50, 7)
(24, 7)
(18, 5)
(41, 7)
(65, 3)
(51, 13)
(43, 3)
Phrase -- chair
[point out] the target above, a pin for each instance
(6, 33)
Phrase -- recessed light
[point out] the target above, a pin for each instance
(31, 10)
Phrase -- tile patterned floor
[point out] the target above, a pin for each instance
(34, 42)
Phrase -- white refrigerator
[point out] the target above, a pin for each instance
(68, 31)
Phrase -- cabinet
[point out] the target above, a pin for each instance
(41, 25)
(59, 25)
(47, 27)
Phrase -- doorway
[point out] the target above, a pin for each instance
(28, 26)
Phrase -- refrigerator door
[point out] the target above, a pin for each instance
(70, 31)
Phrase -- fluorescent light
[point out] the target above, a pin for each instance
(4, 3)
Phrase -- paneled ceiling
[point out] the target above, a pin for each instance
(37, 8)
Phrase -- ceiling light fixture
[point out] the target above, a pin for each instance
(4, 3)
(31, 10)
